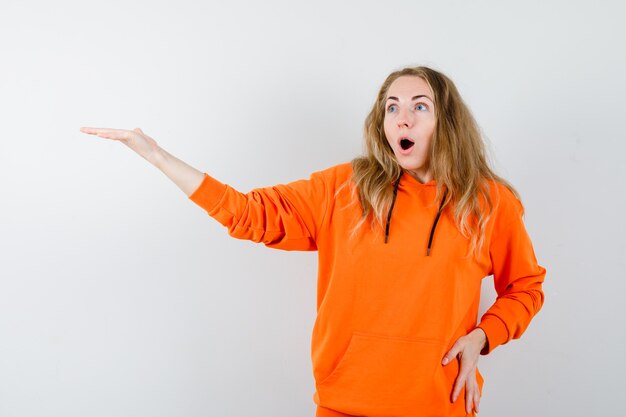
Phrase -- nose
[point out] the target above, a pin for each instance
(405, 118)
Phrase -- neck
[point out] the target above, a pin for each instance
(422, 176)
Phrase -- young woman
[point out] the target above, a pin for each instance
(405, 235)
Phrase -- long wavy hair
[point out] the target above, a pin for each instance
(457, 160)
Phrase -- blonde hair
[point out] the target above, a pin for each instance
(457, 160)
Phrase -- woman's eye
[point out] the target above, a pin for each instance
(391, 108)
(421, 107)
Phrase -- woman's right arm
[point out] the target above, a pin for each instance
(286, 216)
(186, 177)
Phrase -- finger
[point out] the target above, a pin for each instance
(95, 130)
(460, 380)
(477, 401)
(101, 130)
(458, 384)
(472, 392)
(90, 130)
(468, 400)
(452, 353)
(117, 134)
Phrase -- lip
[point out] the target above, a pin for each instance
(405, 151)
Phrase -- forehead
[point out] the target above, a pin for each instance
(408, 86)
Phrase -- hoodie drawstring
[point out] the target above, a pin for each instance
(432, 230)
(393, 202)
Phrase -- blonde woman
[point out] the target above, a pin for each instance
(405, 235)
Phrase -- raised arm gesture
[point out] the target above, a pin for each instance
(186, 177)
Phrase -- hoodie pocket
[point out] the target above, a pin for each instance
(384, 376)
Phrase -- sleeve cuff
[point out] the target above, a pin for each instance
(209, 193)
(496, 331)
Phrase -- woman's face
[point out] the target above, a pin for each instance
(409, 124)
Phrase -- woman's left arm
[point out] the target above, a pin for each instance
(517, 277)
(518, 280)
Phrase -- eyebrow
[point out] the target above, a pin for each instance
(414, 97)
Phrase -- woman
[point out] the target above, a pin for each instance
(405, 235)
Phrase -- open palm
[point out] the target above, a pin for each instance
(135, 139)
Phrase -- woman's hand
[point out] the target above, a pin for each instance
(135, 139)
(186, 177)
(467, 349)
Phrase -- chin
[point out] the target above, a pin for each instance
(410, 165)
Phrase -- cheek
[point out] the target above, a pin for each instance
(426, 147)
(427, 132)
(427, 122)
(387, 131)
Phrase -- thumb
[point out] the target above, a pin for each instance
(138, 130)
(452, 353)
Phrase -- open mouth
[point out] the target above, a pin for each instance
(406, 144)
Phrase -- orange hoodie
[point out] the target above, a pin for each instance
(386, 312)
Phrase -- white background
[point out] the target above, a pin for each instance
(120, 297)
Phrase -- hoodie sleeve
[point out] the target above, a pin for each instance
(517, 276)
(286, 216)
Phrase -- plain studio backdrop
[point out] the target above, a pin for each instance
(120, 297)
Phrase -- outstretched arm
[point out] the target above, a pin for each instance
(285, 216)
(186, 177)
